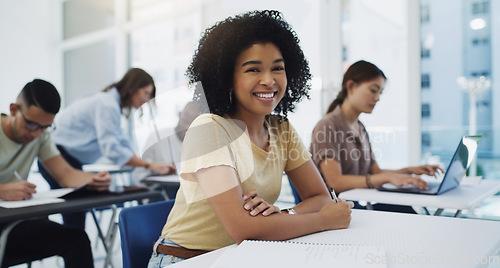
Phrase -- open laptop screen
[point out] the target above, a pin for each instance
(461, 161)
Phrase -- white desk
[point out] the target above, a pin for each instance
(409, 241)
(460, 198)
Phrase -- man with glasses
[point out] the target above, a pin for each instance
(23, 137)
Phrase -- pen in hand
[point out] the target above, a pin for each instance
(334, 196)
(19, 179)
(17, 176)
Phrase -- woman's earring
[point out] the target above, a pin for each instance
(231, 97)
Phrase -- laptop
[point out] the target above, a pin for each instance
(460, 162)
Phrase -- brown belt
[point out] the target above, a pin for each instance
(179, 251)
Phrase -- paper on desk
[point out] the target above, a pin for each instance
(162, 178)
(55, 193)
(35, 201)
(392, 239)
(41, 198)
(94, 168)
(298, 255)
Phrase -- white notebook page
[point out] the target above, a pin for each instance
(253, 254)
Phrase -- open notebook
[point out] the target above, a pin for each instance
(292, 254)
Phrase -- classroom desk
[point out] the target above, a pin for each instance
(409, 241)
(111, 169)
(12, 216)
(460, 198)
(168, 183)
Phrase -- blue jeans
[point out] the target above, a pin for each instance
(162, 260)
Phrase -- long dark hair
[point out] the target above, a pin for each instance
(131, 82)
(359, 72)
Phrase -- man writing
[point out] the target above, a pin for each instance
(23, 137)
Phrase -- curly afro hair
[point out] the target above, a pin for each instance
(221, 44)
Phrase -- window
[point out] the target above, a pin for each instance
(481, 7)
(480, 73)
(426, 81)
(484, 103)
(480, 41)
(369, 29)
(76, 12)
(85, 71)
(426, 139)
(426, 110)
(425, 53)
(466, 51)
(425, 13)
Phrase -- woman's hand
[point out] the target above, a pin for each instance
(162, 168)
(256, 205)
(336, 215)
(100, 181)
(401, 180)
(423, 169)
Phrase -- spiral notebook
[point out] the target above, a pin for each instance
(291, 254)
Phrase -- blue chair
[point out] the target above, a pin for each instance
(295, 193)
(140, 227)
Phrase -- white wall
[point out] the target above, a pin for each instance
(28, 50)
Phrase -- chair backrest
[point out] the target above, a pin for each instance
(295, 193)
(140, 227)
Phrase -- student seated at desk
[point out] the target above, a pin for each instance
(90, 128)
(340, 145)
(23, 137)
(233, 158)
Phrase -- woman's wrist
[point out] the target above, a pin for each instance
(368, 181)
(406, 170)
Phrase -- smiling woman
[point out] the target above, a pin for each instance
(259, 80)
(253, 72)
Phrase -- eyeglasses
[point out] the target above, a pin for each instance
(33, 126)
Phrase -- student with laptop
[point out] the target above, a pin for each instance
(340, 145)
(460, 162)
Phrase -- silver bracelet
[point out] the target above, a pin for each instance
(290, 211)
